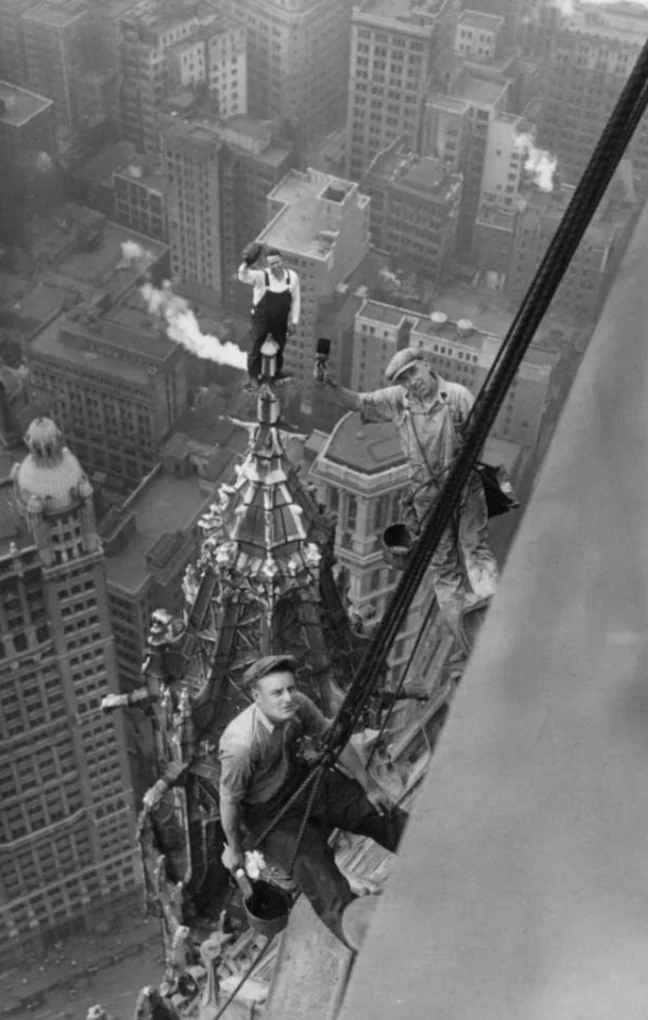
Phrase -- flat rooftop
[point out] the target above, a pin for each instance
(297, 226)
(376, 311)
(164, 504)
(429, 178)
(18, 105)
(367, 448)
(449, 104)
(56, 15)
(141, 171)
(477, 19)
(193, 134)
(494, 217)
(477, 90)
(111, 159)
(48, 344)
(401, 11)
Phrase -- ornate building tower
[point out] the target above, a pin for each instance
(67, 847)
(264, 583)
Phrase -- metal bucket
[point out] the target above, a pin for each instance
(267, 909)
(397, 545)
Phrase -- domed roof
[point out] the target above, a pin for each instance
(50, 472)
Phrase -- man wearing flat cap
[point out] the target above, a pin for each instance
(262, 767)
(430, 414)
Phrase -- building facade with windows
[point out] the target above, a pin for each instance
(140, 202)
(414, 212)
(116, 382)
(298, 53)
(591, 56)
(397, 51)
(218, 174)
(68, 846)
(584, 286)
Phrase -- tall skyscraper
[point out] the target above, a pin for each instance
(320, 224)
(60, 43)
(163, 51)
(217, 178)
(584, 286)
(67, 806)
(396, 51)
(12, 49)
(298, 53)
(471, 133)
(414, 209)
(592, 55)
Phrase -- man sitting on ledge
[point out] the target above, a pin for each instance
(261, 767)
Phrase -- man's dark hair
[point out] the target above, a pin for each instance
(265, 666)
(273, 253)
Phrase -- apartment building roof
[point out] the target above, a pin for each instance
(403, 13)
(477, 90)
(56, 15)
(366, 448)
(448, 104)
(18, 105)
(109, 161)
(162, 505)
(192, 134)
(492, 216)
(390, 315)
(480, 20)
(140, 171)
(299, 226)
(626, 25)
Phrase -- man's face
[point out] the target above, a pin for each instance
(275, 696)
(275, 264)
(419, 381)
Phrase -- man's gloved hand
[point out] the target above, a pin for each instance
(233, 858)
(252, 252)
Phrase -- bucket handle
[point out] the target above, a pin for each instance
(243, 882)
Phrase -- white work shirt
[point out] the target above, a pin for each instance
(429, 432)
(287, 281)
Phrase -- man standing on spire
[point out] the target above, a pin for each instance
(275, 303)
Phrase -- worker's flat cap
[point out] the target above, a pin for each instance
(403, 360)
(267, 665)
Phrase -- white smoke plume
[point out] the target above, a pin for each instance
(181, 324)
(540, 164)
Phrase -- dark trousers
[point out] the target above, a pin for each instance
(341, 803)
(264, 325)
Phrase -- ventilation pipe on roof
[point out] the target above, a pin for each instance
(464, 327)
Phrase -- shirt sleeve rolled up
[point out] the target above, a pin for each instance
(236, 772)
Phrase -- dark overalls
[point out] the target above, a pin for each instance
(269, 317)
